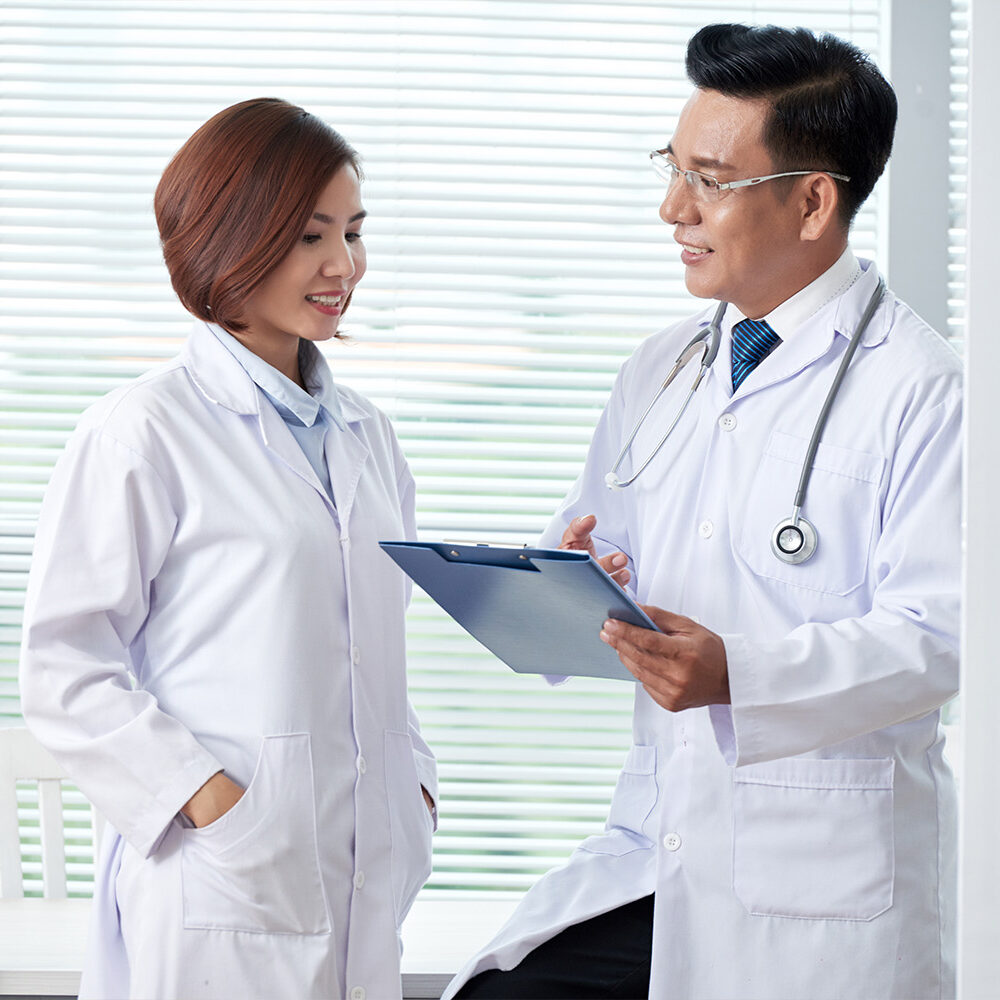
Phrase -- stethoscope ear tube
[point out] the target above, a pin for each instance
(714, 337)
(707, 341)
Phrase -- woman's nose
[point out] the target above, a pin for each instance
(339, 262)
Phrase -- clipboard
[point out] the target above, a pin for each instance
(538, 610)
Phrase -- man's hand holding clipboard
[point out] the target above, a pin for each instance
(681, 664)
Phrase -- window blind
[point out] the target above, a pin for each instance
(958, 169)
(515, 260)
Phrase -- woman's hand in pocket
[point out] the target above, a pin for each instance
(213, 800)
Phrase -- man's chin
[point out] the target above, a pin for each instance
(700, 286)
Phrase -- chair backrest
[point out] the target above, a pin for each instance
(23, 758)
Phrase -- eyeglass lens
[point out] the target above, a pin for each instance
(702, 185)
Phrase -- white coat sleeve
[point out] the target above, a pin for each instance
(423, 756)
(825, 683)
(105, 526)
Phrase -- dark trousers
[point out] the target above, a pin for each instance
(607, 956)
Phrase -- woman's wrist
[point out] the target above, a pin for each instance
(214, 799)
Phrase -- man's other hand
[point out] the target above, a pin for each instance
(577, 536)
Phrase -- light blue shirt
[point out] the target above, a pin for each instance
(307, 414)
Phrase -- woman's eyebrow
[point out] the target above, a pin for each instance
(327, 219)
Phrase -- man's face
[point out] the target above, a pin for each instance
(744, 248)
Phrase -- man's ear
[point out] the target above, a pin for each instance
(820, 198)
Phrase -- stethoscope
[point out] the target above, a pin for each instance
(794, 540)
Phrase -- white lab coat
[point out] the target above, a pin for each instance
(197, 603)
(801, 843)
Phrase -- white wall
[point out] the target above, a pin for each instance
(979, 920)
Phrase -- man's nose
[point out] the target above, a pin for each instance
(679, 204)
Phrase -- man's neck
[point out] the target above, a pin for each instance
(794, 312)
(808, 267)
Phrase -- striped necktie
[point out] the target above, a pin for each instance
(753, 340)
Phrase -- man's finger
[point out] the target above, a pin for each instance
(615, 566)
(577, 533)
(633, 637)
(667, 621)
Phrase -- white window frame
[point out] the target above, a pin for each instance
(979, 875)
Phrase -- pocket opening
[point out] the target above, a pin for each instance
(266, 879)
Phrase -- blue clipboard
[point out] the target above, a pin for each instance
(538, 610)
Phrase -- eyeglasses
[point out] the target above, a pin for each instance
(705, 187)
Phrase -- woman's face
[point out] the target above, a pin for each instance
(304, 295)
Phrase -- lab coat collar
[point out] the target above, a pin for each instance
(837, 318)
(217, 374)
(304, 405)
(222, 379)
(793, 315)
(850, 307)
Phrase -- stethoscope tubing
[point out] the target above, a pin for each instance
(824, 413)
(709, 340)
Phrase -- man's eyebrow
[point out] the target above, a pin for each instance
(327, 219)
(702, 162)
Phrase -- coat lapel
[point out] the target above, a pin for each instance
(280, 442)
(346, 454)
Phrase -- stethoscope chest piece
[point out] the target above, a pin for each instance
(794, 540)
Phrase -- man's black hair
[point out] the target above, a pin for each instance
(831, 108)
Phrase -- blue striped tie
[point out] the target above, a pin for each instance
(753, 340)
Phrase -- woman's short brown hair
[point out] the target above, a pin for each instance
(236, 197)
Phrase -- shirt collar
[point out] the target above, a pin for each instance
(288, 398)
(790, 317)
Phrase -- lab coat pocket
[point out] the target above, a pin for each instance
(410, 825)
(256, 868)
(814, 838)
(841, 504)
(631, 805)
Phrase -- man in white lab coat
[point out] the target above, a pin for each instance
(784, 823)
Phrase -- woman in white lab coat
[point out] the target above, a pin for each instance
(213, 641)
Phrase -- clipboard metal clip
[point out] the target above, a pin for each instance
(472, 543)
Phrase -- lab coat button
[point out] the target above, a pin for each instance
(358, 993)
(355, 654)
(672, 842)
(345, 543)
(727, 422)
(362, 764)
(706, 528)
(359, 880)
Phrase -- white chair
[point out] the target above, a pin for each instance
(23, 758)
